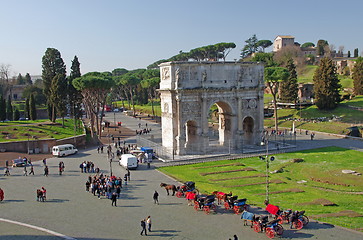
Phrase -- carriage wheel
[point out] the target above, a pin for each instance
(305, 220)
(236, 209)
(214, 207)
(226, 205)
(298, 224)
(270, 233)
(196, 205)
(179, 194)
(206, 209)
(281, 220)
(279, 229)
(256, 227)
(196, 191)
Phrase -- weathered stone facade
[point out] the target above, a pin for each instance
(189, 89)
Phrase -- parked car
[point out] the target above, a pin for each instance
(18, 163)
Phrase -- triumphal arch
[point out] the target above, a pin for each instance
(188, 90)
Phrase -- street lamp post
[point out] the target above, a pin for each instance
(267, 159)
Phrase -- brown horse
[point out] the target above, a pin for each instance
(221, 196)
(169, 187)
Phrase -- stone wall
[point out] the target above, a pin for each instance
(41, 145)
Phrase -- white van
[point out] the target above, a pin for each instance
(64, 150)
(128, 161)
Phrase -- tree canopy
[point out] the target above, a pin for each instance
(358, 76)
(274, 75)
(308, 44)
(326, 85)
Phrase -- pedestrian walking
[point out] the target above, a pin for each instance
(156, 197)
(312, 136)
(128, 174)
(7, 163)
(148, 223)
(143, 227)
(125, 179)
(113, 199)
(31, 170)
(102, 149)
(44, 161)
(235, 237)
(7, 172)
(118, 191)
(61, 167)
(46, 171)
(25, 171)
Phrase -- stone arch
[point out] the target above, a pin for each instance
(191, 132)
(248, 130)
(225, 121)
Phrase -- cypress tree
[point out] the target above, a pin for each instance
(27, 109)
(32, 108)
(16, 115)
(326, 85)
(9, 109)
(356, 52)
(358, 76)
(28, 79)
(53, 65)
(289, 88)
(2, 108)
(74, 96)
(349, 54)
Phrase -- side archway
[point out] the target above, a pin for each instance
(248, 126)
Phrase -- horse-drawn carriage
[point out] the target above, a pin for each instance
(271, 229)
(186, 187)
(205, 203)
(238, 205)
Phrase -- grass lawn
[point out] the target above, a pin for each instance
(355, 102)
(307, 75)
(41, 129)
(324, 165)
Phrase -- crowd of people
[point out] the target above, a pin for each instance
(88, 167)
(107, 186)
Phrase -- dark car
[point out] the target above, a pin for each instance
(18, 163)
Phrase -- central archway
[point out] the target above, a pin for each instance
(219, 124)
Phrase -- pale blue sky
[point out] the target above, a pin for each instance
(109, 34)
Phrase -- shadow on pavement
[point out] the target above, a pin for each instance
(57, 200)
(13, 200)
(296, 234)
(317, 225)
(163, 233)
(170, 203)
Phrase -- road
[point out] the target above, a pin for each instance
(72, 213)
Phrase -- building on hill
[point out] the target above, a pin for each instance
(283, 41)
(344, 62)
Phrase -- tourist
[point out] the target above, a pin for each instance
(143, 227)
(148, 223)
(128, 174)
(25, 171)
(113, 199)
(46, 171)
(44, 161)
(7, 172)
(125, 179)
(31, 170)
(156, 197)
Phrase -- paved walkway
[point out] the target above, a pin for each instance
(72, 212)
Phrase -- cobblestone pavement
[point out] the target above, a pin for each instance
(71, 212)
